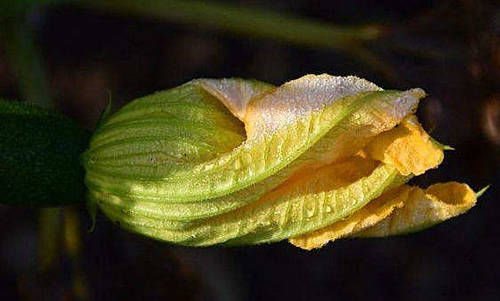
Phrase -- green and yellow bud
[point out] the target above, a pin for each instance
(237, 162)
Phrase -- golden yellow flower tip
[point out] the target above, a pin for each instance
(424, 208)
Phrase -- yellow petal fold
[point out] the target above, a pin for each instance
(367, 216)
(425, 208)
(401, 210)
(407, 147)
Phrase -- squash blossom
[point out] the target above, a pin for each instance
(237, 162)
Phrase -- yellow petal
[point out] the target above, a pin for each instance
(369, 215)
(408, 147)
(425, 208)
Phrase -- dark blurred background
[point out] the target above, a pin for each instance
(76, 54)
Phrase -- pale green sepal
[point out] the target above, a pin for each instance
(483, 190)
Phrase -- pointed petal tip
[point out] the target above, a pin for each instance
(442, 146)
(483, 190)
(92, 210)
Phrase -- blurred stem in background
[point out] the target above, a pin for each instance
(72, 244)
(260, 24)
(248, 21)
(49, 232)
